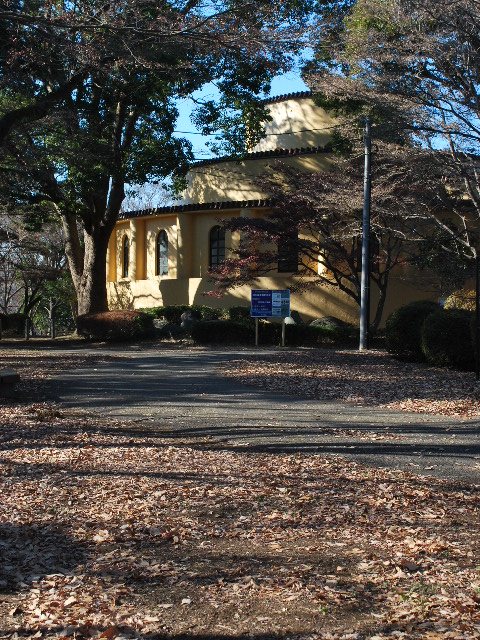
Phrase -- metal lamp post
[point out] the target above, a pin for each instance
(365, 278)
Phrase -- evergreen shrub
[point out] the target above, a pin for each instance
(403, 330)
(173, 312)
(269, 333)
(314, 335)
(209, 313)
(240, 314)
(115, 326)
(447, 339)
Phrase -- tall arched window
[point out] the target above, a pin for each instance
(162, 254)
(217, 247)
(126, 256)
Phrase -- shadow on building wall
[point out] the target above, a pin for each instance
(120, 296)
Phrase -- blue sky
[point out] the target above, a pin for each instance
(288, 83)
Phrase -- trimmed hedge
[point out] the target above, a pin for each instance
(315, 335)
(403, 330)
(240, 314)
(173, 312)
(447, 339)
(115, 326)
(230, 332)
(223, 332)
(210, 313)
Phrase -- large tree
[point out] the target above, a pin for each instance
(88, 102)
(414, 67)
(315, 229)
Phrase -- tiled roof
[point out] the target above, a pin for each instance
(202, 206)
(287, 96)
(274, 153)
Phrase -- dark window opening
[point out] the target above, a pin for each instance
(162, 254)
(217, 247)
(288, 254)
(126, 256)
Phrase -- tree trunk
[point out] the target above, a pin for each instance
(91, 287)
(51, 317)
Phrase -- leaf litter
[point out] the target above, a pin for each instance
(371, 378)
(109, 531)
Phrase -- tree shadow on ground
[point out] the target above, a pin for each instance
(441, 454)
(127, 632)
(31, 552)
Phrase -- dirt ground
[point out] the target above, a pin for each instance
(106, 533)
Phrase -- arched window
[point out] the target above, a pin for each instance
(217, 247)
(126, 256)
(162, 254)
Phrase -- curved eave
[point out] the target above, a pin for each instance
(259, 155)
(191, 208)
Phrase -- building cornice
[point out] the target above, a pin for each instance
(260, 155)
(191, 208)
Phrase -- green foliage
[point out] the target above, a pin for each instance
(403, 337)
(38, 214)
(447, 339)
(361, 22)
(240, 314)
(89, 103)
(62, 293)
(115, 326)
(348, 106)
(209, 313)
(173, 312)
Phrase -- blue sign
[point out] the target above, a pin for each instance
(270, 303)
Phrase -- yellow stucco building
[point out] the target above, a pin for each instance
(162, 256)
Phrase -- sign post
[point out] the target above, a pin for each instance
(270, 303)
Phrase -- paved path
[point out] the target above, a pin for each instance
(181, 393)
